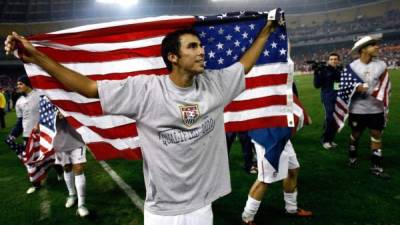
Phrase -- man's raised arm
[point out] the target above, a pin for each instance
(72, 80)
(251, 55)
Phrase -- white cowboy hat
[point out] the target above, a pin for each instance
(364, 41)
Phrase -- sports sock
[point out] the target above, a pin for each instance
(290, 201)
(80, 183)
(352, 151)
(250, 209)
(70, 182)
(376, 158)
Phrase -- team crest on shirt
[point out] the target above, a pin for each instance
(190, 114)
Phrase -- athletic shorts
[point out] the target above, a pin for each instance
(267, 173)
(359, 122)
(76, 156)
(202, 216)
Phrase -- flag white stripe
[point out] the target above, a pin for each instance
(60, 94)
(104, 68)
(102, 47)
(257, 113)
(102, 122)
(119, 23)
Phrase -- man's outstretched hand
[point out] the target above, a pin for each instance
(25, 50)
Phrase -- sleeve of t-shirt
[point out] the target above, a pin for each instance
(230, 80)
(122, 97)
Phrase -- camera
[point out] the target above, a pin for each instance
(316, 65)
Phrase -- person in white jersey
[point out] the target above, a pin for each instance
(71, 155)
(365, 111)
(179, 120)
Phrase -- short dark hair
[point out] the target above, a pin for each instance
(25, 80)
(172, 44)
(334, 54)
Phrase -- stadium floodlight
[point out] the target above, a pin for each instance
(119, 2)
(226, 0)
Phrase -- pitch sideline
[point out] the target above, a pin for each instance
(136, 200)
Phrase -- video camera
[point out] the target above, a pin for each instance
(316, 65)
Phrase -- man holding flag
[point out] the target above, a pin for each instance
(364, 94)
(179, 119)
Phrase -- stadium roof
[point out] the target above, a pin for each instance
(22, 11)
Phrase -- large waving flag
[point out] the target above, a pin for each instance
(117, 50)
(349, 81)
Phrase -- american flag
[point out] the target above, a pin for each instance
(117, 50)
(35, 161)
(39, 151)
(348, 84)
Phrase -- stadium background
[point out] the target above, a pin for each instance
(336, 194)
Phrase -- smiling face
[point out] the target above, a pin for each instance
(191, 55)
(333, 60)
(371, 49)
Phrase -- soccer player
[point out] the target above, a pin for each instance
(288, 171)
(179, 119)
(365, 111)
(71, 154)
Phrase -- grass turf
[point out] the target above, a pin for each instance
(335, 193)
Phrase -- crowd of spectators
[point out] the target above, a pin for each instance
(389, 52)
(331, 30)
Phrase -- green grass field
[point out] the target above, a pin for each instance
(335, 193)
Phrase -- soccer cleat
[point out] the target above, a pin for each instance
(82, 211)
(327, 145)
(300, 213)
(334, 145)
(353, 163)
(378, 171)
(253, 170)
(71, 200)
(248, 223)
(31, 190)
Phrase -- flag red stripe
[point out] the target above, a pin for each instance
(45, 136)
(237, 106)
(104, 151)
(118, 33)
(82, 56)
(123, 131)
(90, 109)
(272, 121)
(266, 80)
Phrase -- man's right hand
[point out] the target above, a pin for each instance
(26, 51)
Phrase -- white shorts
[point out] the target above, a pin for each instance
(287, 160)
(71, 157)
(202, 216)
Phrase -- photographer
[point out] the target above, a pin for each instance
(327, 77)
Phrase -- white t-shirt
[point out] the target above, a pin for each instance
(181, 133)
(369, 73)
(19, 106)
(30, 112)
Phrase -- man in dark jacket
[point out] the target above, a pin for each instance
(327, 78)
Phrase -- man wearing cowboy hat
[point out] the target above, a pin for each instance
(366, 111)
